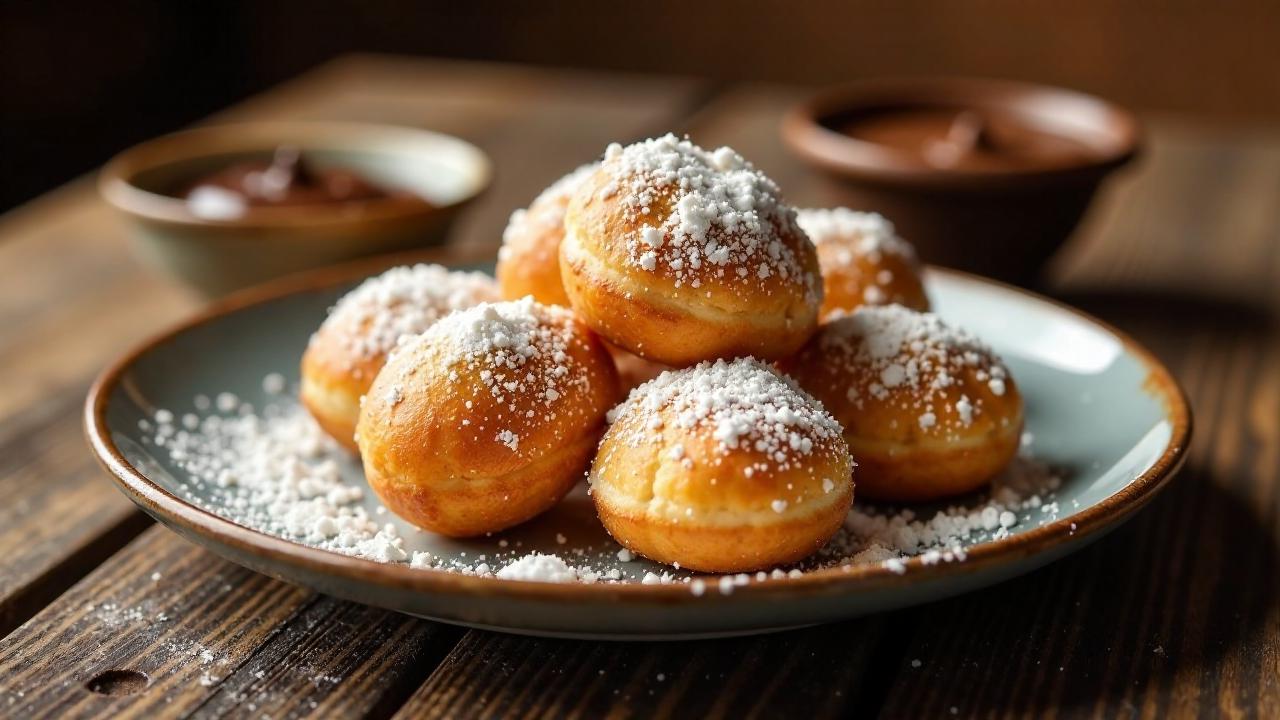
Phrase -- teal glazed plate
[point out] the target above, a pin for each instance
(1099, 408)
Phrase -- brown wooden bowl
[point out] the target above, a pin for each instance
(999, 223)
(217, 255)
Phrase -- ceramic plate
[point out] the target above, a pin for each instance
(1101, 411)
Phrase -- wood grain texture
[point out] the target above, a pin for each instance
(202, 637)
(58, 519)
(814, 673)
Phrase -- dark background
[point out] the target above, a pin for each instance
(79, 81)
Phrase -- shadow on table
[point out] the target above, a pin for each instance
(1184, 592)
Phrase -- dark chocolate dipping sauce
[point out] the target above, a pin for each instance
(967, 140)
(288, 180)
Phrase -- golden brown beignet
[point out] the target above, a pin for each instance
(487, 419)
(529, 259)
(863, 261)
(928, 411)
(678, 254)
(722, 467)
(345, 354)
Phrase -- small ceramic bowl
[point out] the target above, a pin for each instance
(1003, 222)
(220, 254)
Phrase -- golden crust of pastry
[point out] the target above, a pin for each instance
(928, 411)
(679, 255)
(863, 261)
(529, 259)
(487, 419)
(346, 353)
(723, 467)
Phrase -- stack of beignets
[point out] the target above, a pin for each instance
(666, 254)
(529, 264)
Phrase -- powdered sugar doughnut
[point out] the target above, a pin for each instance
(722, 467)
(863, 261)
(529, 259)
(678, 254)
(486, 419)
(928, 411)
(345, 354)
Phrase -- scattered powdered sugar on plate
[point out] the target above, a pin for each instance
(278, 473)
(536, 566)
(942, 532)
(273, 470)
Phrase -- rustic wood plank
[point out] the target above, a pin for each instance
(819, 672)
(57, 516)
(164, 627)
(72, 296)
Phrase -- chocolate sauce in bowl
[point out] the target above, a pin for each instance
(966, 139)
(288, 179)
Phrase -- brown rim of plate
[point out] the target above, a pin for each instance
(152, 497)
(804, 131)
(116, 179)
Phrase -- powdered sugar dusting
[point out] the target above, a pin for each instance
(916, 358)
(704, 215)
(887, 536)
(863, 260)
(546, 210)
(400, 302)
(863, 233)
(742, 403)
(518, 349)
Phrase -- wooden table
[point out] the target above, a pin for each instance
(1176, 614)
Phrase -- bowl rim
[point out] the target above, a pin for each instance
(116, 178)
(1085, 523)
(804, 133)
